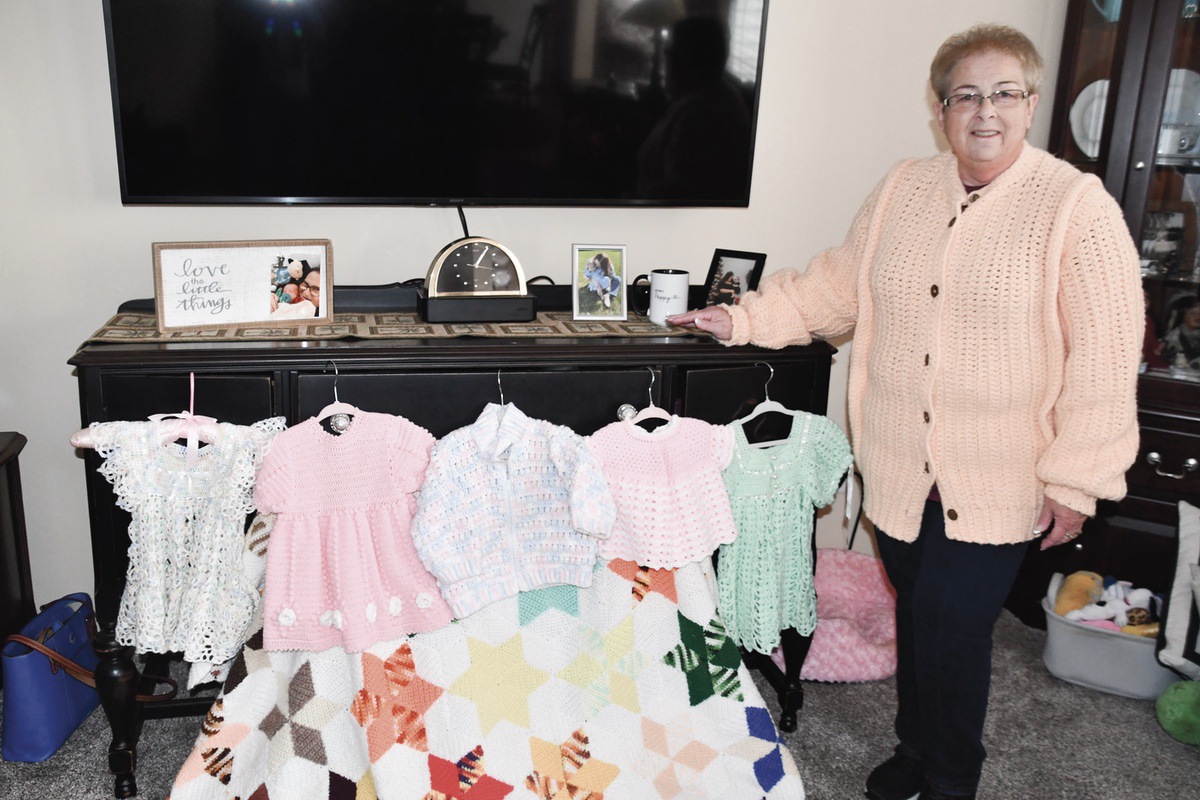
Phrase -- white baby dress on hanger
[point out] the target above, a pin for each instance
(183, 591)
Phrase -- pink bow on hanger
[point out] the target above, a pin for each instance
(192, 427)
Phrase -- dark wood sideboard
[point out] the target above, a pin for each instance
(439, 383)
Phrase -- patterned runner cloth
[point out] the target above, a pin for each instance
(127, 327)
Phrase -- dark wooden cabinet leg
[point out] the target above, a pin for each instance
(117, 680)
(791, 693)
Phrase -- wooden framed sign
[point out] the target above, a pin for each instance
(252, 284)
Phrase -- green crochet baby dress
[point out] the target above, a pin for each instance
(765, 575)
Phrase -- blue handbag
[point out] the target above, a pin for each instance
(43, 702)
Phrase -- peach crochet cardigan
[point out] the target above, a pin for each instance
(996, 343)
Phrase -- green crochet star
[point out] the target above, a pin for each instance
(531, 604)
(607, 668)
(709, 660)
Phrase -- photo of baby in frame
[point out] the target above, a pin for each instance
(234, 285)
(599, 282)
(732, 274)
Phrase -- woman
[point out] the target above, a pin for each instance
(995, 296)
(602, 278)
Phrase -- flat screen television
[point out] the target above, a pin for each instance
(436, 102)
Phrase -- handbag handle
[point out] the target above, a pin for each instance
(82, 675)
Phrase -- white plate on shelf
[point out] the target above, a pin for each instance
(1087, 117)
(1182, 106)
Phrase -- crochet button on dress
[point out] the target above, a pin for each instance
(672, 508)
(341, 566)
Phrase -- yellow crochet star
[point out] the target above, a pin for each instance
(499, 682)
(607, 669)
(568, 771)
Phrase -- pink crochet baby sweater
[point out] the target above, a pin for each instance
(672, 506)
(341, 566)
(997, 338)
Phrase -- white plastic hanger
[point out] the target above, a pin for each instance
(767, 406)
(651, 411)
(338, 413)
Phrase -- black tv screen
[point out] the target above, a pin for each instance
(436, 102)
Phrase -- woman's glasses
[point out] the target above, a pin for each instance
(972, 101)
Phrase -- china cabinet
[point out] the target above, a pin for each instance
(1127, 109)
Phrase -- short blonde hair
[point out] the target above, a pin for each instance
(982, 39)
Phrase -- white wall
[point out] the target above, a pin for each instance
(844, 97)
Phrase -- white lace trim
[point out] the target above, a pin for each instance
(185, 590)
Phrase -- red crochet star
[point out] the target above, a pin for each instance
(464, 780)
(646, 580)
(391, 705)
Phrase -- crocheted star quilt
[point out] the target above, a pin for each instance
(628, 689)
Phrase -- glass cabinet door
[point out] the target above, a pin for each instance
(1085, 84)
(1162, 197)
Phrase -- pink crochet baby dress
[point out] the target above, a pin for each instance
(341, 566)
(672, 507)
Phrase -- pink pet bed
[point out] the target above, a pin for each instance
(855, 638)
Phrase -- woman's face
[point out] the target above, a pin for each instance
(1191, 317)
(986, 140)
(310, 288)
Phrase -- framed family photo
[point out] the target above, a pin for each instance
(250, 284)
(731, 274)
(600, 281)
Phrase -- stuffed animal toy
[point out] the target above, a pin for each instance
(1079, 589)
(1178, 710)
(1118, 601)
(1146, 629)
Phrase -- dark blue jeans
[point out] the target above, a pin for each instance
(948, 596)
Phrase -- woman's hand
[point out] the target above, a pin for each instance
(1067, 523)
(714, 320)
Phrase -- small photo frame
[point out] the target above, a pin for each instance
(600, 281)
(250, 284)
(732, 274)
(1168, 241)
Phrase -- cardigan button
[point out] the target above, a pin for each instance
(952, 514)
(927, 359)
(952, 219)
(974, 197)
(933, 290)
(926, 415)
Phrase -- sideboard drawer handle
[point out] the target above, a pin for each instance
(1190, 465)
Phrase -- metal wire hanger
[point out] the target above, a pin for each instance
(339, 414)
